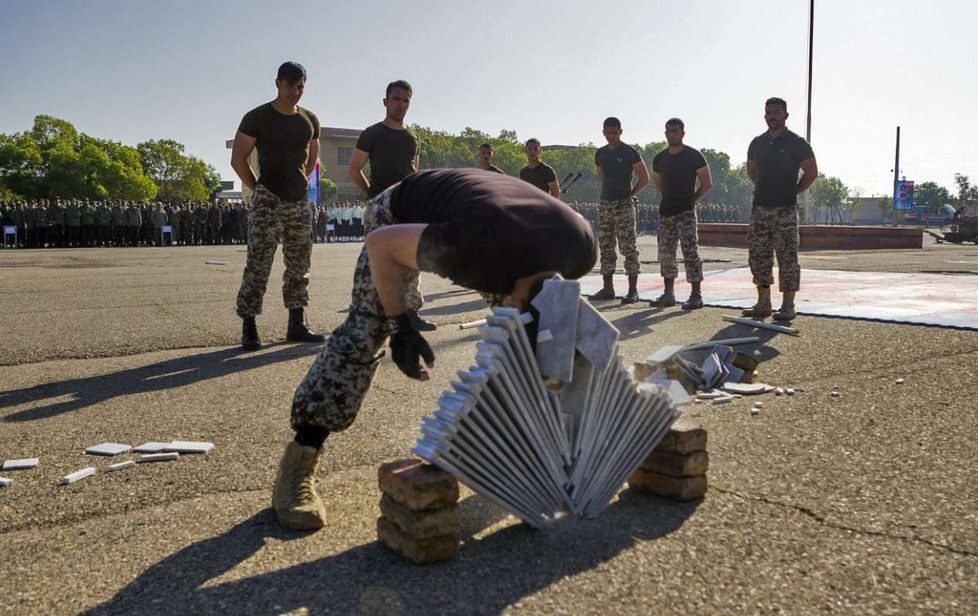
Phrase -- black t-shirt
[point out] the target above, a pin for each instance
(392, 153)
(283, 148)
(678, 173)
(487, 230)
(540, 176)
(616, 165)
(777, 162)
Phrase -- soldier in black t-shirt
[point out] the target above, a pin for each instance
(615, 164)
(537, 172)
(484, 231)
(773, 161)
(287, 139)
(675, 171)
(485, 158)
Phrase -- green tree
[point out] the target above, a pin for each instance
(20, 165)
(180, 177)
(327, 188)
(931, 194)
(828, 196)
(967, 192)
(885, 204)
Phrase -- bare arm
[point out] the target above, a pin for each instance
(417, 161)
(706, 182)
(392, 250)
(643, 177)
(240, 151)
(313, 156)
(752, 170)
(809, 173)
(554, 189)
(357, 162)
(657, 178)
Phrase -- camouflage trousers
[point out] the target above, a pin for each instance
(679, 229)
(271, 220)
(616, 225)
(332, 392)
(774, 232)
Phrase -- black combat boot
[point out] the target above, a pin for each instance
(249, 334)
(298, 332)
(607, 292)
(632, 296)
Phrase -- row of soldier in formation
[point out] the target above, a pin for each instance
(73, 223)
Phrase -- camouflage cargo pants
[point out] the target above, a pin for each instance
(332, 392)
(774, 232)
(616, 225)
(271, 220)
(679, 229)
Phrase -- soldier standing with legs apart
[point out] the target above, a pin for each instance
(773, 161)
(675, 171)
(393, 153)
(287, 139)
(483, 231)
(615, 163)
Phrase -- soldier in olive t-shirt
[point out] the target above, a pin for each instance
(392, 154)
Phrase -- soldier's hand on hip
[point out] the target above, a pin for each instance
(408, 347)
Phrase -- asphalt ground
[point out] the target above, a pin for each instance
(861, 503)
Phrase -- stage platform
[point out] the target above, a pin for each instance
(939, 300)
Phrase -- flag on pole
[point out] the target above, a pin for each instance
(314, 185)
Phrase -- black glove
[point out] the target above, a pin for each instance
(408, 346)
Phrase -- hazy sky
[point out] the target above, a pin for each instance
(132, 70)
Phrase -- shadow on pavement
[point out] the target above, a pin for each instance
(636, 323)
(157, 377)
(486, 577)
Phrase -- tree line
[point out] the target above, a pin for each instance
(53, 159)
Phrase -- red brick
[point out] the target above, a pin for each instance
(421, 524)
(678, 488)
(418, 485)
(677, 465)
(683, 437)
(420, 551)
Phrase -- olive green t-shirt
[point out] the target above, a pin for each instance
(392, 153)
(540, 176)
(283, 148)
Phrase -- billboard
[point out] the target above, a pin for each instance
(903, 199)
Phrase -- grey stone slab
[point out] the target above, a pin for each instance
(150, 447)
(20, 464)
(158, 457)
(77, 475)
(557, 304)
(597, 338)
(189, 446)
(108, 449)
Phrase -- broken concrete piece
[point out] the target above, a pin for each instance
(215, 262)
(663, 355)
(723, 400)
(597, 338)
(6, 483)
(108, 449)
(728, 342)
(20, 464)
(761, 325)
(118, 466)
(544, 335)
(189, 446)
(756, 410)
(77, 475)
(158, 457)
(779, 391)
(789, 391)
(713, 394)
(900, 381)
(557, 303)
(746, 389)
(150, 447)
(834, 394)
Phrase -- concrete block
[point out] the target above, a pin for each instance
(189, 446)
(420, 551)
(20, 464)
(683, 437)
(677, 464)
(107, 449)
(150, 447)
(6, 483)
(677, 488)
(418, 485)
(118, 466)
(158, 457)
(421, 524)
(77, 475)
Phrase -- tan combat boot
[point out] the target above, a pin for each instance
(295, 500)
(787, 310)
(763, 306)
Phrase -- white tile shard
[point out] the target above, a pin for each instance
(118, 466)
(108, 449)
(20, 464)
(150, 447)
(6, 483)
(189, 446)
(77, 475)
(158, 457)
(535, 452)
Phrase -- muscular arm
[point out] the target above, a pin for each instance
(657, 178)
(313, 156)
(643, 177)
(240, 151)
(809, 173)
(752, 170)
(706, 182)
(554, 189)
(357, 162)
(392, 250)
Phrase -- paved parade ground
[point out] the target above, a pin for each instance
(860, 503)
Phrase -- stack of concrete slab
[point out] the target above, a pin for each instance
(419, 511)
(677, 466)
(549, 428)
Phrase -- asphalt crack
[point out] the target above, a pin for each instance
(858, 531)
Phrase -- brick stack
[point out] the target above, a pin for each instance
(676, 468)
(419, 511)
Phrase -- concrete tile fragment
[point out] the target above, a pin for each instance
(77, 475)
(6, 483)
(158, 457)
(118, 466)
(557, 305)
(150, 447)
(108, 449)
(597, 338)
(20, 464)
(189, 446)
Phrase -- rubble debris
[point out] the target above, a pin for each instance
(150, 447)
(189, 446)
(77, 475)
(108, 449)
(20, 464)
(158, 457)
(761, 325)
(6, 483)
(118, 466)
